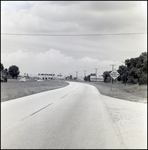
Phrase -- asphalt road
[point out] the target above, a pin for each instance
(73, 117)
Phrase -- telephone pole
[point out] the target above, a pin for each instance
(113, 67)
(112, 70)
(96, 73)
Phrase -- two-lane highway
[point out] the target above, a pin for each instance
(67, 118)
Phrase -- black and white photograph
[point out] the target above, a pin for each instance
(73, 74)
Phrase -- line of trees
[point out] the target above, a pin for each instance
(134, 71)
(12, 71)
(87, 78)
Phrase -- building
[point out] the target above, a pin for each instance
(98, 78)
(61, 77)
(46, 76)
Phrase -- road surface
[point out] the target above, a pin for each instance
(73, 117)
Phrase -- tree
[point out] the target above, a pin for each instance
(127, 63)
(124, 78)
(107, 77)
(135, 70)
(144, 68)
(2, 67)
(4, 73)
(70, 77)
(123, 71)
(143, 79)
(14, 71)
(87, 78)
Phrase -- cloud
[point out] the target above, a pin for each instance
(11, 5)
(68, 53)
(80, 17)
(53, 61)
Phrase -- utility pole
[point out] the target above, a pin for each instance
(96, 73)
(76, 74)
(113, 67)
(111, 77)
(112, 70)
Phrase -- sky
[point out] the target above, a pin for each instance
(65, 37)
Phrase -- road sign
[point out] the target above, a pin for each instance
(114, 74)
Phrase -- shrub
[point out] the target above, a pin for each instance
(143, 79)
(132, 80)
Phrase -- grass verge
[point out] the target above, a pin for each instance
(15, 89)
(131, 92)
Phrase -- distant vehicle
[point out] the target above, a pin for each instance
(35, 79)
(23, 79)
(39, 80)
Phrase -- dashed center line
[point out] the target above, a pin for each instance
(26, 117)
(70, 92)
(40, 109)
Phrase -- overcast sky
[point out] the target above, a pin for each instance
(74, 36)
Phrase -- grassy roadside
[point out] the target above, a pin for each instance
(15, 89)
(131, 92)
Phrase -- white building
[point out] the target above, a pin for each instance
(46, 76)
(98, 78)
(61, 77)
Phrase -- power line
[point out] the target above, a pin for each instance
(46, 34)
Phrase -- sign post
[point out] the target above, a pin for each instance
(114, 74)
